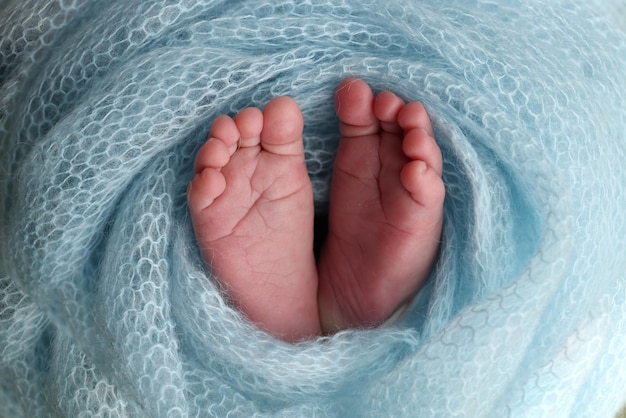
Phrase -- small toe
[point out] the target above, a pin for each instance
(419, 144)
(225, 129)
(222, 143)
(413, 115)
(423, 183)
(213, 154)
(386, 108)
(250, 124)
(204, 188)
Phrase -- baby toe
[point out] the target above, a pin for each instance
(413, 115)
(249, 123)
(221, 145)
(204, 188)
(225, 129)
(386, 108)
(423, 183)
(419, 144)
(213, 154)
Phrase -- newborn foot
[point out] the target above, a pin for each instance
(251, 203)
(386, 209)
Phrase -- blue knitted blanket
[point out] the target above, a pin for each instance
(106, 308)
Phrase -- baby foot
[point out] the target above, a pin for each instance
(251, 204)
(386, 209)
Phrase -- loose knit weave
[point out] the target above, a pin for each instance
(106, 308)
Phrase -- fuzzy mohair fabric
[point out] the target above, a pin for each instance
(106, 308)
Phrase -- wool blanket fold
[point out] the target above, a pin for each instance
(106, 308)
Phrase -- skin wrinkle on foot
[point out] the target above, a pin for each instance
(109, 305)
(336, 301)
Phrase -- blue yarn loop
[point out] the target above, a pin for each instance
(106, 308)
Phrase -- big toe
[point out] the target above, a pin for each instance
(354, 105)
(282, 127)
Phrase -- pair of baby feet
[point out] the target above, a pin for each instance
(251, 204)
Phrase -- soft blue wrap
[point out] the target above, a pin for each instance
(106, 308)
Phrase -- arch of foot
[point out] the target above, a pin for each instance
(124, 100)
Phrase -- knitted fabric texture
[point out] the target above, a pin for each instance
(106, 308)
